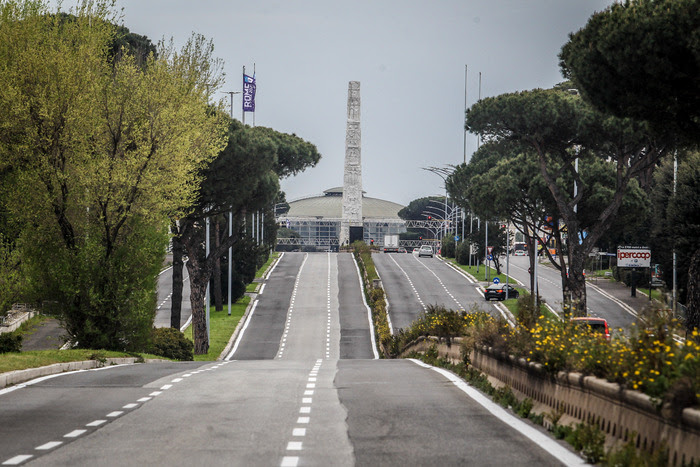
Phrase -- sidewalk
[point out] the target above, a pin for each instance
(621, 292)
(47, 336)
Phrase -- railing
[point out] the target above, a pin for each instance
(308, 241)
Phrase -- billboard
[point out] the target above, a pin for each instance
(633, 257)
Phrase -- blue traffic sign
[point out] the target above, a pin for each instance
(496, 280)
(456, 238)
(489, 257)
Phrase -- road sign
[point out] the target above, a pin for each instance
(496, 280)
(489, 249)
(489, 257)
(456, 238)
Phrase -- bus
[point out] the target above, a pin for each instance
(520, 249)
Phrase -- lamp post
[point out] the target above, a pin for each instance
(230, 223)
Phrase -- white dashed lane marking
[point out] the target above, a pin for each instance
(290, 311)
(410, 283)
(299, 431)
(20, 459)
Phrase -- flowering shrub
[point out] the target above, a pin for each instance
(646, 359)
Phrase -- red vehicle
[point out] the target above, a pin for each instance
(598, 325)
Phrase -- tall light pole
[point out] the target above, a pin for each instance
(230, 223)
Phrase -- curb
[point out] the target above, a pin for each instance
(21, 376)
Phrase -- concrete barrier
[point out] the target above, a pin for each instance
(22, 376)
(622, 414)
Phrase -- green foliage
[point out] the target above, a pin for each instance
(106, 302)
(641, 59)
(11, 277)
(10, 342)
(628, 454)
(676, 219)
(171, 343)
(589, 440)
(447, 246)
(375, 298)
(558, 128)
(462, 252)
(99, 152)
(294, 155)
(415, 209)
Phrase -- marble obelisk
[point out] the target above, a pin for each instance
(352, 178)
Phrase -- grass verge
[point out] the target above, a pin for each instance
(221, 327)
(481, 274)
(36, 358)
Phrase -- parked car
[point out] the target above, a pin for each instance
(498, 291)
(425, 250)
(598, 325)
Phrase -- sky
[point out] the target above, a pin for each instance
(409, 56)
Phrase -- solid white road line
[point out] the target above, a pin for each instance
(369, 312)
(545, 442)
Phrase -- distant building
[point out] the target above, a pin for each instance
(318, 219)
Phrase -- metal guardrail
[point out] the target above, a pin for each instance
(308, 241)
(334, 241)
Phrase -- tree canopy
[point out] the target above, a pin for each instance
(641, 59)
(559, 128)
(97, 153)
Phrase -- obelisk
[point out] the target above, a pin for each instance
(352, 178)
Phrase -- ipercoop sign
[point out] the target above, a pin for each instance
(633, 257)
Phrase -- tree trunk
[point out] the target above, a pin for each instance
(193, 242)
(531, 253)
(176, 302)
(575, 282)
(198, 289)
(216, 286)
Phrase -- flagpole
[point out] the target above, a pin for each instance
(243, 103)
(256, 86)
(464, 116)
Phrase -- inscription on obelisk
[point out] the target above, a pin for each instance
(352, 178)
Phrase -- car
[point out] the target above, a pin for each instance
(597, 325)
(498, 291)
(402, 250)
(425, 250)
(519, 253)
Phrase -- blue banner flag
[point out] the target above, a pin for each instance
(248, 93)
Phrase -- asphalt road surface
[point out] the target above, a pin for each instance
(303, 387)
(549, 280)
(412, 283)
(165, 293)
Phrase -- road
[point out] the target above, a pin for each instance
(165, 293)
(412, 283)
(599, 303)
(301, 387)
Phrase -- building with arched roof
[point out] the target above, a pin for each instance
(317, 219)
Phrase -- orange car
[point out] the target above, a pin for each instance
(599, 325)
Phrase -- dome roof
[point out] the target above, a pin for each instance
(331, 206)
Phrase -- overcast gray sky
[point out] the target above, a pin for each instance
(409, 56)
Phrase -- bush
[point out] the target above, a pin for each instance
(447, 246)
(171, 343)
(462, 252)
(10, 342)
